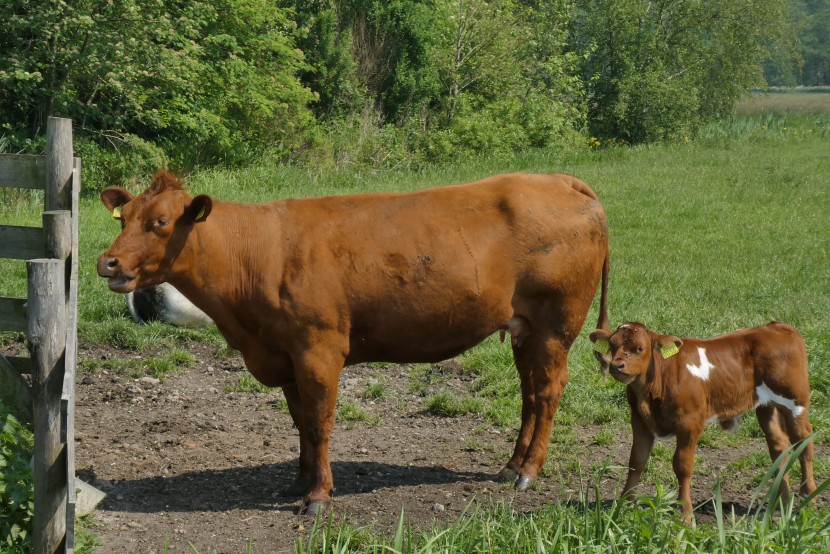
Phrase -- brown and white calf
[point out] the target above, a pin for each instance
(676, 386)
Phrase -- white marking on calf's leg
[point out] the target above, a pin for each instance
(766, 395)
(701, 371)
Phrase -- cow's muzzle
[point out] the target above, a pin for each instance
(119, 281)
(616, 371)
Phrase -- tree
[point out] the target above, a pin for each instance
(659, 68)
(205, 79)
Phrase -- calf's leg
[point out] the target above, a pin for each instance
(798, 429)
(640, 451)
(772, 424)
(684, 464)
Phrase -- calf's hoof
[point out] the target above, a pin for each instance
(507, 475)
(524, 482)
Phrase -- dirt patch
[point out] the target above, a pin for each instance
(185, 461)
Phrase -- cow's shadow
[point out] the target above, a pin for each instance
(260, 487)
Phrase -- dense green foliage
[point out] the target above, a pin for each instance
(339, 83)
(16, 491)
(807, 61)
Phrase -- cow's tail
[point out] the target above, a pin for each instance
(602, 321)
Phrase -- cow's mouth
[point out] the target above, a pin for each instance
(623, 378)
(121, 283)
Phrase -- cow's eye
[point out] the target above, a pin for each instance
(161, 222)
(640, 350)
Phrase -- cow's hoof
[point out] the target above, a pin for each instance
(507, 475)
(294, 489)
(524, 482)
(315, 508)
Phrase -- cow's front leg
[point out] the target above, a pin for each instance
(683, 464)
(302, 482)
(317, 375)
(640, 451)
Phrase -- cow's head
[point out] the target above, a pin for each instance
(631, 348)
(154, 230)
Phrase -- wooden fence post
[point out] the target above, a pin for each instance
(47, 339)
(59, 163)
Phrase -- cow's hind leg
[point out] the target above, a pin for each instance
(799, 428)
(542, 362)
(302, 482)
(510, 472)
(772, 425)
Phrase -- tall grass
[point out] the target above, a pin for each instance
(587, 524)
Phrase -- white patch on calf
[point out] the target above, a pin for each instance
(701, 371)
(765, 396)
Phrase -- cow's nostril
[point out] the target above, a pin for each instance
(111, 263)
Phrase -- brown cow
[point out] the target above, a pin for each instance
(303, 287)
(677, 386)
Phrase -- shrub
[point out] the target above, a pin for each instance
(16, 485)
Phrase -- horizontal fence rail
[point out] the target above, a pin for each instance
(22, 171)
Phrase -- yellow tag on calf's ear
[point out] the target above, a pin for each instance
(116, 212)
(669, 350)
(602, 346)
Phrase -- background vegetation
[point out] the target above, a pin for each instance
(370, 83)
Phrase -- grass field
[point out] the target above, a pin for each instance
(811, 101)
(727, 231)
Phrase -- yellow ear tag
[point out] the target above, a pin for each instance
(201, 214)
(116, 212)
(669, 350)
(602, 346)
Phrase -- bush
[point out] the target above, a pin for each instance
(16, 485)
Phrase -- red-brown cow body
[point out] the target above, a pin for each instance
(303, 287)
(676, 386)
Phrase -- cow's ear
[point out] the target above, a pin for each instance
(199, 208)
(115, 197)
(600, 339)
(668, 345)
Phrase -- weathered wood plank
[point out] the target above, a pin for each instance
(23, 364)
(12, 314)
(15, 392)
(22, 243)
(46, 330)
(22, 171)
(59, 163)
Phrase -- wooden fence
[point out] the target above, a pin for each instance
(49, 318)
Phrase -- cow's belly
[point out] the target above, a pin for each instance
(408, 334)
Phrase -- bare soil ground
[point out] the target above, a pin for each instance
(183, 461)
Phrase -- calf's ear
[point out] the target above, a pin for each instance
(668, 345)
(199, 208)
(600, 339)
(115, 197)
(602, 349)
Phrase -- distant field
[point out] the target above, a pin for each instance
(813, 101)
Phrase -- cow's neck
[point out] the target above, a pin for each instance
(230, 263)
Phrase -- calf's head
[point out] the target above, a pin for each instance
(155, 226)
(632, 348)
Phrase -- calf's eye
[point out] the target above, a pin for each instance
(640, 350)
(161, 222)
